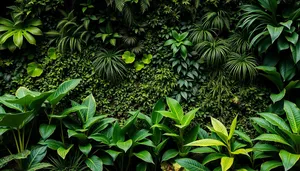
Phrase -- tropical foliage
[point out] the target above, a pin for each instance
(149, 85)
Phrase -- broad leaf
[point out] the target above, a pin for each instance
(269, 165)
(232, 128)
(288, 159)
(145, 156)
(89, 112)
(36, 155)
(175, 108)
(46, 130)
(218, 126)
(277, 97)
(226, 163)
(272, 138)
(275, 32)
(62, 152)
(293, 115)
(206, 142)
(169, 154)
(128, 57)
(62, 91)
(94, 163)
(113, 154)
(191, 165)
(34, 69)
(140, 135)
(124, 145)
(85, 149)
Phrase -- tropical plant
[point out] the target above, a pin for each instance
(268, 25)
(109, 65)
(284, 84)
(73, 162)
(179, 42)
(108, 35)
(241, 66)
(191, 75)
(128, 142)
(130, 57)
(277, 130)
(12, 32)
(216, 19)
(239, 42)
(214, 52)
(22, 108)
(180, 137)
(199, 34)
(228, 147)
(70, 35)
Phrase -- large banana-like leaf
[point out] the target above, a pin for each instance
(15, 121)
(293, 115)
(62, 91)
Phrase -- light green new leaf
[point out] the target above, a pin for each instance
(189, 117)
(128, 57)
(34, 69)
(218, 126)
(124, 145)
(18, 38)
(138, 65)
(277, 97)
(52, 53)
(62, 152)
(226, 163)
(288, 159)
(175, 108)
(145, 156)
(293, 115)
(94, 163)
(206, 142)
(232, 127)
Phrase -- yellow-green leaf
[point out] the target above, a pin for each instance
(206, 142)
(226, 163)
(232, 128)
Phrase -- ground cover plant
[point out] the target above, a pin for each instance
(149, 85)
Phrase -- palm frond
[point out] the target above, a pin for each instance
(241, 66)
(109, 65)
(218, 20)
(213, 52)
(199, 34)
(239, 42)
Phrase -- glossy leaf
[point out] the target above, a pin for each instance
(288, 159)
(226, 163)
(275, 32)
(206, 142)
(191, 165)
(62, 152)
(85, 149)
(145, 156)
(169, 154)
(34, 69)
(63, 90)
(277, 97)
(293, 115)
(124, 145)
(36, 156)
(46, 130)
(269, 165)
(7, 159)
(94, 163)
